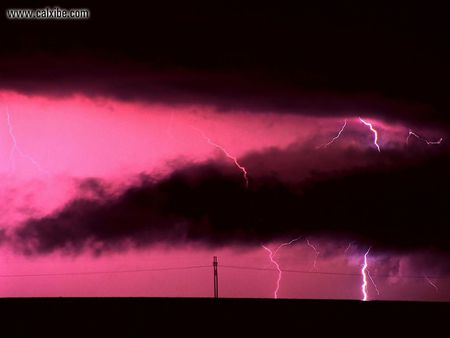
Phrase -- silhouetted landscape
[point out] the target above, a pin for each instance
(142, 316)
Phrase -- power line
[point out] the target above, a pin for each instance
(193, 267)
(106, 272)
(240, 267)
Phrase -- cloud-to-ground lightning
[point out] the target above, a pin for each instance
(16, 149)
(277, 266)
(432, 283)
(274, 262)
(375, 133)
(316, 251)
(417, 136)
(335, 137)
(368, 272)
(364, 276)
(227, 154)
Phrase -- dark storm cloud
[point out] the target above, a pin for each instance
(244, 90)
(330, 59)
(399, 208)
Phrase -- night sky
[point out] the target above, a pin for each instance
(156, 135)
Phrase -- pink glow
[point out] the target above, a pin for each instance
(429, 281)
(78, 136)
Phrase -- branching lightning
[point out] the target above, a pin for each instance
(316, 251)
(16, 149)
(287, 244)
(349, 246)
(364, 276)
(375, 133)
(274, 262)
(411, 133)
(227, 154)
(334, 138)
(373, 283)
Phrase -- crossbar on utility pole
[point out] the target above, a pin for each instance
(216, 278)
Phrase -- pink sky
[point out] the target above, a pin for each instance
(198, 282)
(71, 138)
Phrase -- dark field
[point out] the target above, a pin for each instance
(160, 317)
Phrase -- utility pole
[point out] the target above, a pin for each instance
(216, 279)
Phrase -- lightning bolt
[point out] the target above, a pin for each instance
(364, 276)
(227, 154)
(432, 283)
(434, 142)
(336, 137)
(349, 246)
(411, 133)
(375, 133)
(363, 272)
(373, 283)
(274, 262)
(287, 244)
(277, 265)
(16, 149)
(316, 251)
